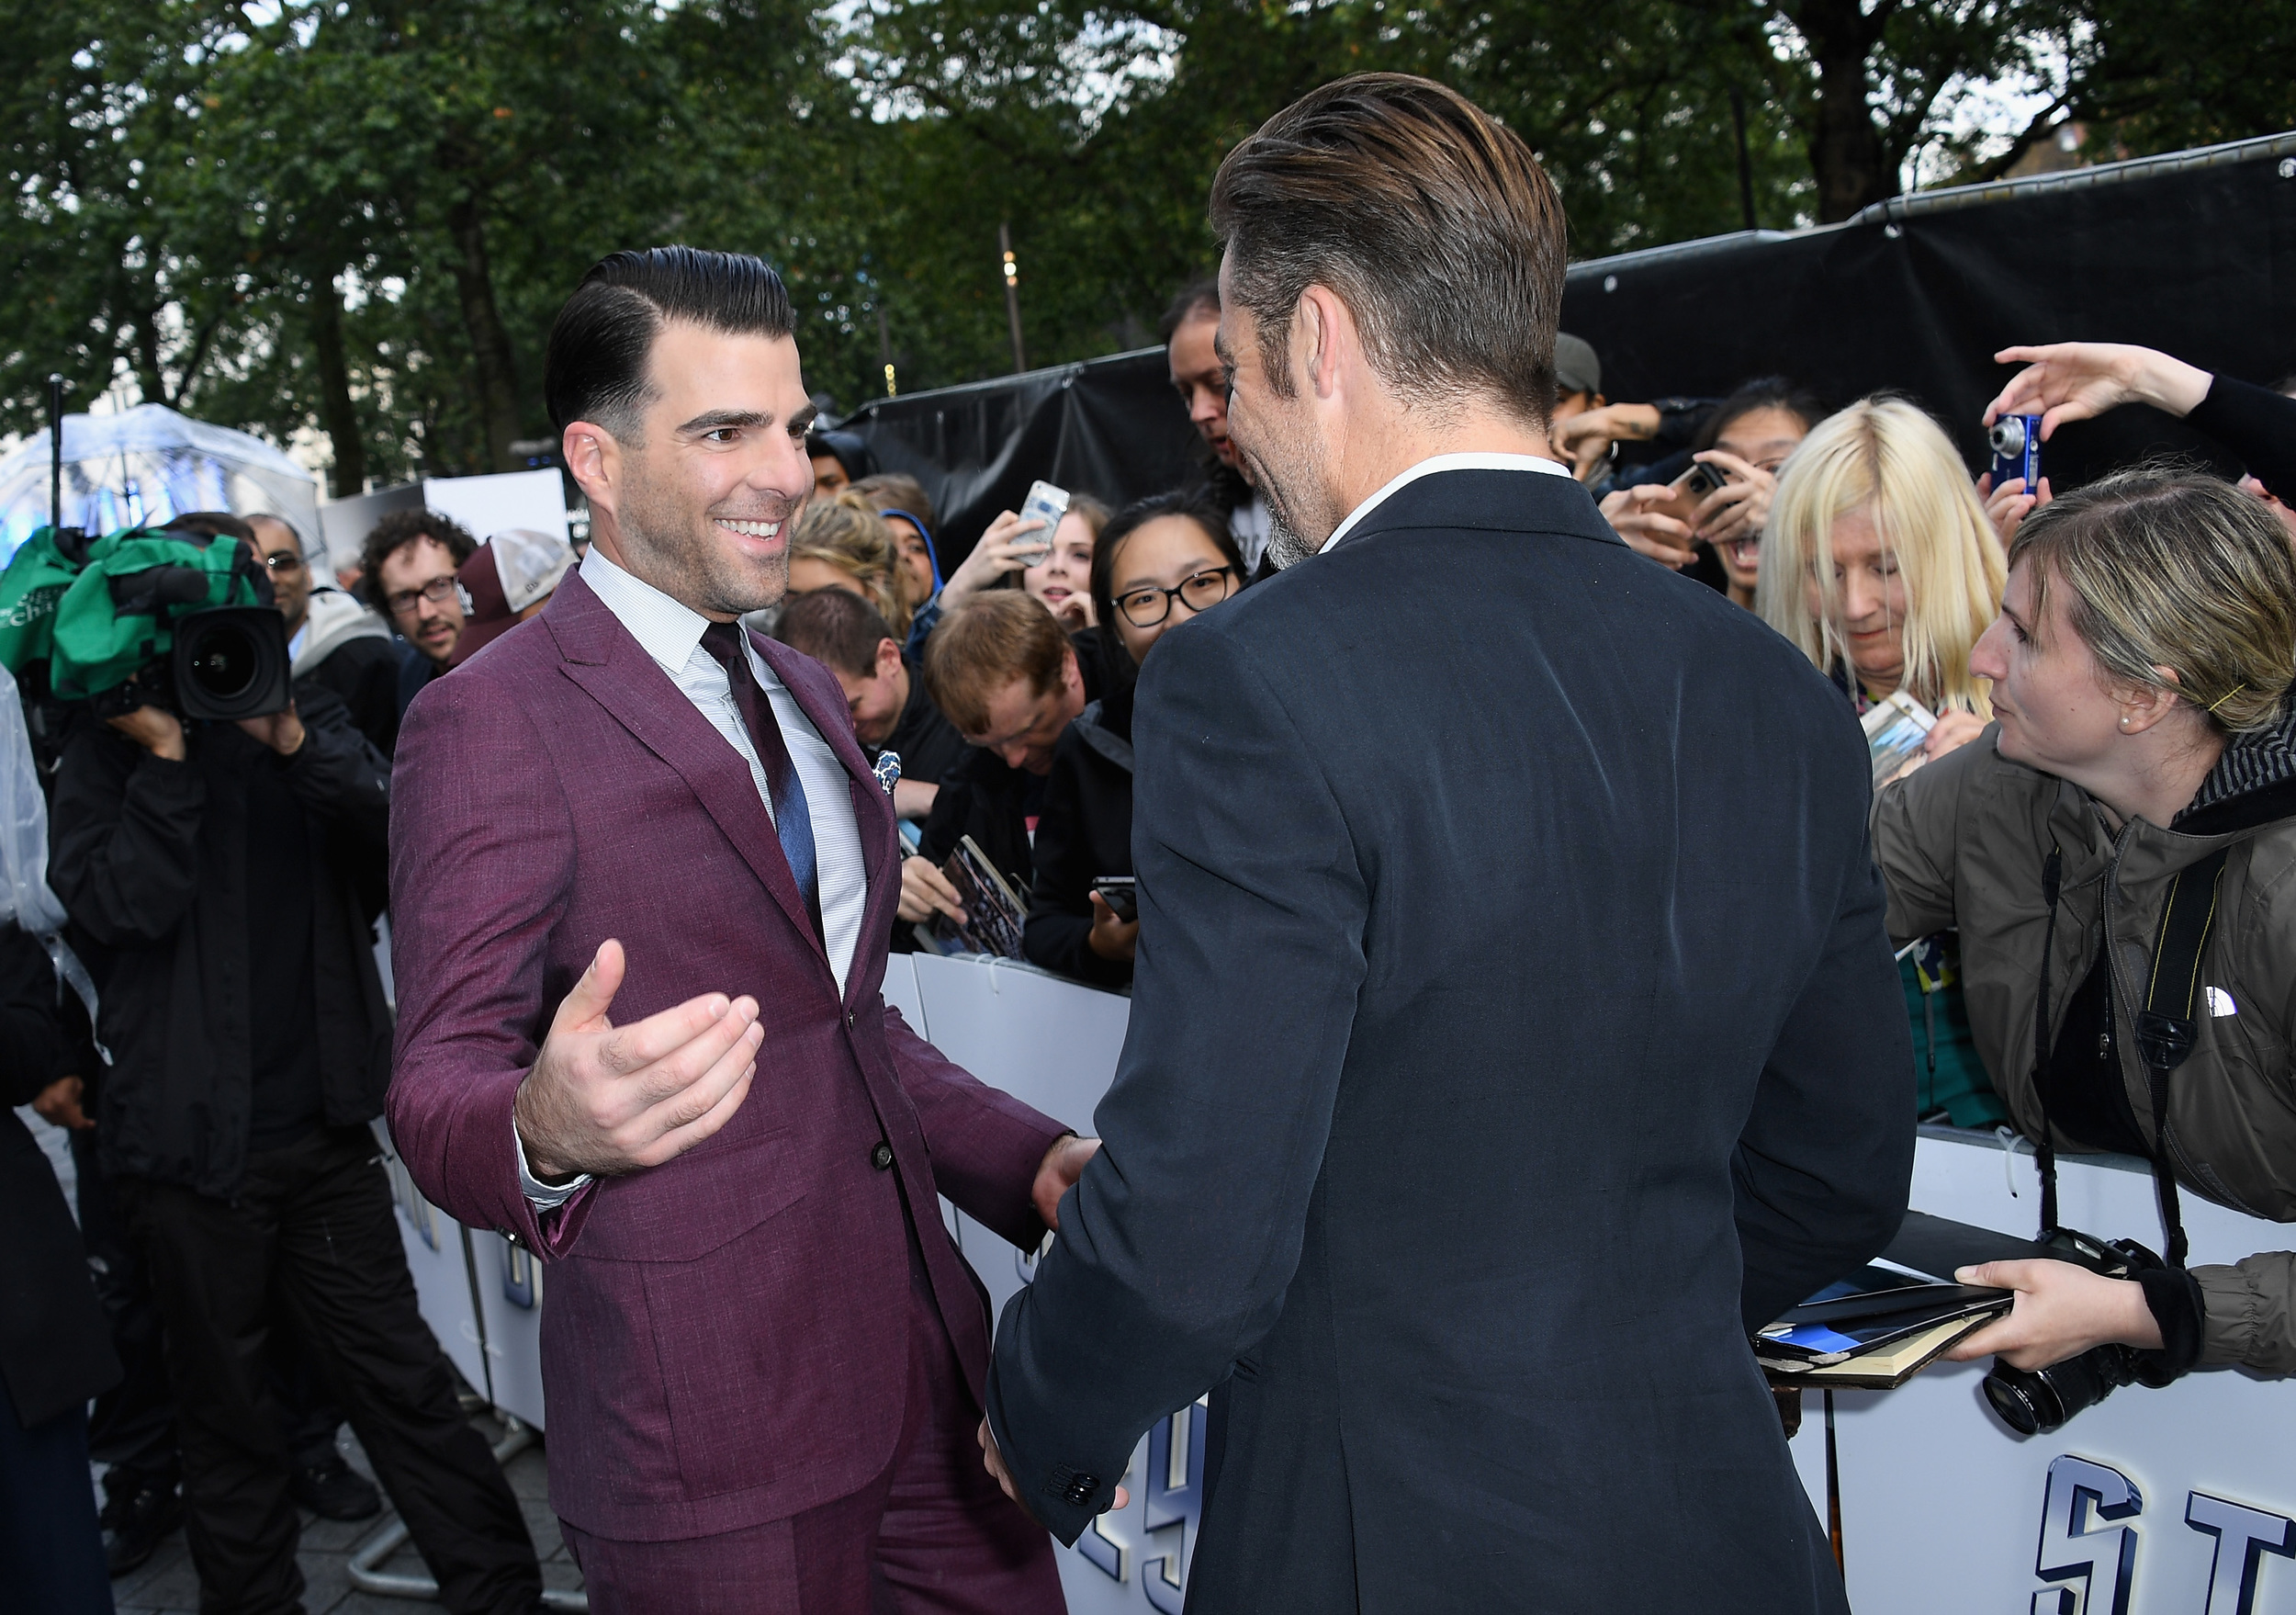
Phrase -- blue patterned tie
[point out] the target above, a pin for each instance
(793, 820)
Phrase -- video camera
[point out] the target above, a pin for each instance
(180, 618)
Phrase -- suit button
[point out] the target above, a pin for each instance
(880, 1157)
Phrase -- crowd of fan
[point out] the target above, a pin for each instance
(1006, 687)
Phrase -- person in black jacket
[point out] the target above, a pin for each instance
(1470, 1115)
(1158, 564)
(55, 1343)
(215, 865)
(884, 690)
(1010, 682)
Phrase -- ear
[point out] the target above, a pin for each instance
(593, 458)
(2143, 706)
(1323, 338)
(888, 657)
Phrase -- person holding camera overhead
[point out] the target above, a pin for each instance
(215, 865)
(2130, 811)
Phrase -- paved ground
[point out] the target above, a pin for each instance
(167, 1585)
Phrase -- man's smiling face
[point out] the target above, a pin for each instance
(718, 474)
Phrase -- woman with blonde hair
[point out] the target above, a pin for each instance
(1879, 562)
(843, 543)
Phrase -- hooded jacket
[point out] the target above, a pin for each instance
(1961, 843)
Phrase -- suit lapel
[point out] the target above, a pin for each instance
(610, 665)
(872, 804)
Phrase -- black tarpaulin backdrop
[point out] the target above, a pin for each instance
(2194, 255)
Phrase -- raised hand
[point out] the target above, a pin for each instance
(1741, 507)
(606, 1099)
(2007, 506)
(2080, 381)
(1646, 531)
(1005, 547)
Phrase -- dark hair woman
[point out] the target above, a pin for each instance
(1157, 565)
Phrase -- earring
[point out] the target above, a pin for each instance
(2124, 721)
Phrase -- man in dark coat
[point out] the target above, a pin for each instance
(214, 866)
(1472, 1111)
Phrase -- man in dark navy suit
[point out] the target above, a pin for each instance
(1473, 1108)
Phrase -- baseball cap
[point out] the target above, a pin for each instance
(1576, 367)
(506, 575)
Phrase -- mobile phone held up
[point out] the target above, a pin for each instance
(2017, 451)
(1116, 891)
(1048, 504)
(1687, 490)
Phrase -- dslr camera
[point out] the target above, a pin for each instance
(178, 618)
(2037, 1401)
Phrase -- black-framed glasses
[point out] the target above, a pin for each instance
(438, 591)
(284, 560)
(1144, 608)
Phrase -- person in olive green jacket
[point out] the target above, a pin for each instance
(2140, 671)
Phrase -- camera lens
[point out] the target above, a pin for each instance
(2009, 437)
(2025, 1401)
(223, 663)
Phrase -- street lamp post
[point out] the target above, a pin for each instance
(1012, 295)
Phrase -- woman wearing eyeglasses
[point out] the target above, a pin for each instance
(1158, 565)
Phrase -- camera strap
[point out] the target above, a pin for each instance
(2167, 1027)
(2169, 1024)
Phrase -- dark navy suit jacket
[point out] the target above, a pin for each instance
(1514, 1026)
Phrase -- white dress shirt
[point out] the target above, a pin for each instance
(671, 632)
(1445, 462)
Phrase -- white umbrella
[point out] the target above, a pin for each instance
(142, 465)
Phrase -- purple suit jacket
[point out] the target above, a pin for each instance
(726, 1338)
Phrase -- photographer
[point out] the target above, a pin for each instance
(2139, 669)
(217, 862)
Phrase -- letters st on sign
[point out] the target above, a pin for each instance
(2091, 1535)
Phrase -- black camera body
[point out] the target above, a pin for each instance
(2036, 1400)
(226, 661)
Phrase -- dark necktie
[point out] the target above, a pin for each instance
(792, 820)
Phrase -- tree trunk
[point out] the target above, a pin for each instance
(336, 411)
(482, 322)
(1845, 148)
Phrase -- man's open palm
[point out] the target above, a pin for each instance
(604, 1098)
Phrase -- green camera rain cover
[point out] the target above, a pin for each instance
(37, 576)
(95, 646)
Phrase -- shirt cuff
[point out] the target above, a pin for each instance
(543, 1196)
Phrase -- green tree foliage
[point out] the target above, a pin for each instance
(352, 220)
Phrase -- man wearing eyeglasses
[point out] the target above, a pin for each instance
(409, 563)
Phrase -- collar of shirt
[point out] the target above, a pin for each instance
(667, 629)
(1428, 467)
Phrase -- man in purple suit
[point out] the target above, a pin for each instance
(764, 1358)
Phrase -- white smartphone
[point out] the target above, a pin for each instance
(1048, 504)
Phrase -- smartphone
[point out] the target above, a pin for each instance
(1117, 892)
(1689, 488)
(1048, 504)
(2015, 441)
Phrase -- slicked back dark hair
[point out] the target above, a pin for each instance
(1431, 221)
(604, 335)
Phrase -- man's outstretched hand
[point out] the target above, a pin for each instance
(1064, 1164)
(994, 1462)
(604, 1098)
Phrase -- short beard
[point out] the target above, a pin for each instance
(667, 546)
(1284, 546)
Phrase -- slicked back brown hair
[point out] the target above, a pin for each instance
(1431, 221)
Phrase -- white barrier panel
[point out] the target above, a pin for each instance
(509, 1282)
(2149, 1503)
